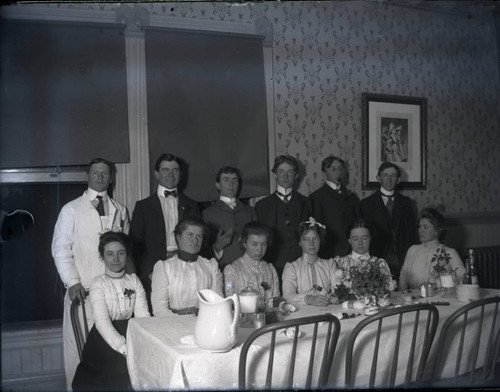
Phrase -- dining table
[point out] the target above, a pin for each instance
(162, 354)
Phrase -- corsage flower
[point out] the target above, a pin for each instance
(312, 222)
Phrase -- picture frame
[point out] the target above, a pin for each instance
(394, 130)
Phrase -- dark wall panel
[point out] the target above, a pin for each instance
(63, 98)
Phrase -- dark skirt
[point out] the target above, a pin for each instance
(102, 368)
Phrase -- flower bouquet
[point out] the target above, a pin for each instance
(369, 281)
(442, 272)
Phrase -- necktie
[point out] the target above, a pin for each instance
(170, 193)
(285, 198)
(100, 206)
(390, 203)
(231, 204)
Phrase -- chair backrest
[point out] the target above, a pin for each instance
(404, 334)
(81, 331)
(469, 339)
(317, 337)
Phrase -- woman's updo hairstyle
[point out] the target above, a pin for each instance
(183, 224)
(437, 220)
(361, 223)
(111, 236)
(311, 225)
(256, 228)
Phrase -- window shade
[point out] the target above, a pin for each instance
(207, 104)
(63, 97)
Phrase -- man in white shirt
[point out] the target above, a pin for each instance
(335, 206)
(75, 246)
(154, 218)
(393, 216)
(282, 211)
(228, 215)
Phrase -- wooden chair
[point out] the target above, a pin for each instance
(320, 350)
(475, 325)
(81, 331)
(406, 328)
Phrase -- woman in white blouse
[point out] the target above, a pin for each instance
(423, 261)
(309, 279)
(250, 269)
(177, 280)
(114, 297)
(359, 236)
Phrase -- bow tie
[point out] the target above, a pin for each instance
(286, 198)
(171, 193)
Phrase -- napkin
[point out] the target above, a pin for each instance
(188, 340)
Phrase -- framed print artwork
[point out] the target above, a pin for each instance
(394, 130)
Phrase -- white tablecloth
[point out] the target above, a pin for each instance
(157, 359)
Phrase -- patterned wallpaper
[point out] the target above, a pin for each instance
(326, 54)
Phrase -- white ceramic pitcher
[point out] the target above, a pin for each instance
(216, 325)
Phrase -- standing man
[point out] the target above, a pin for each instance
(392, 215)
(282, 211)
(228, 215)
(75, 247)
(154, 218)
(335, 206)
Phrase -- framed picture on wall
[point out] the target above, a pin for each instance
(394, 130)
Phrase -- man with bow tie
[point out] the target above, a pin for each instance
(393, 216)
(227, 216)
(335, 206)
(282, 211)
(75, 247)
(154, 218)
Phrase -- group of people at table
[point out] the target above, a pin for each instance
(176, 250)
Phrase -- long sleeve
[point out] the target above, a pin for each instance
(62, 246)
(276, 282)
(160, 290)
(405, 270)
(290, 285)
(456, 263)
(141, 303)
(229, 280)
(102, 318)
(217, 278)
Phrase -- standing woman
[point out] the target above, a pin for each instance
(250, 268)
(421, 260)
(309, 279)
(177, 280)
(114, 297)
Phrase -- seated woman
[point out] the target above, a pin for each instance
(423, 262)
(309, 279)
(176, 281)
(250, 268)
(359, 236)
(114, 298)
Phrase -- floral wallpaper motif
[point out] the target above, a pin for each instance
(326, 54)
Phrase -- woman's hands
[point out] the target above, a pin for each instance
(317, 300)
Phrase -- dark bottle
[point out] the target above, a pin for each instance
(472, 268)
(466, 278)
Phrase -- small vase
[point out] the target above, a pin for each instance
(447, 284)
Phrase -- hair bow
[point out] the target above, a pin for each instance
(312, 222)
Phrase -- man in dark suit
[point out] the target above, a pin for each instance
(154, 218)
(227, 216)
(392, 215)
(282, 211)
(334, 206)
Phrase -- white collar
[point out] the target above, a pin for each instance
(227, 200)
(282, 190)
(162, 189)
(248, 260)
(357, 256)
(92, 194)
(332, 185)
(386, 193)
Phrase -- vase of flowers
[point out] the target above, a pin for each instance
(441, 270)
(367, 281)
